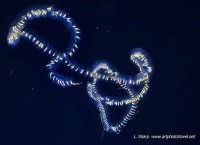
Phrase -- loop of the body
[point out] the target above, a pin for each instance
(101, 71)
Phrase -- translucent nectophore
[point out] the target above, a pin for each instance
(101, 71)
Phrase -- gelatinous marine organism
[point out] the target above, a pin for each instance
(101, 71)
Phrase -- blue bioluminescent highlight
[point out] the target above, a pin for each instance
(101, 71)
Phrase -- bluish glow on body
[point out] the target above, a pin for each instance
(101, 71)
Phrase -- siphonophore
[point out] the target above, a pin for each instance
(101, 71)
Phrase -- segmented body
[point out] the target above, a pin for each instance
(102, 71)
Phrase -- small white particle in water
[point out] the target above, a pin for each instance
(11, 72)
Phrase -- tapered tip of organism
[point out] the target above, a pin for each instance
(13, 36)
(16, 29)
(141, 59)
